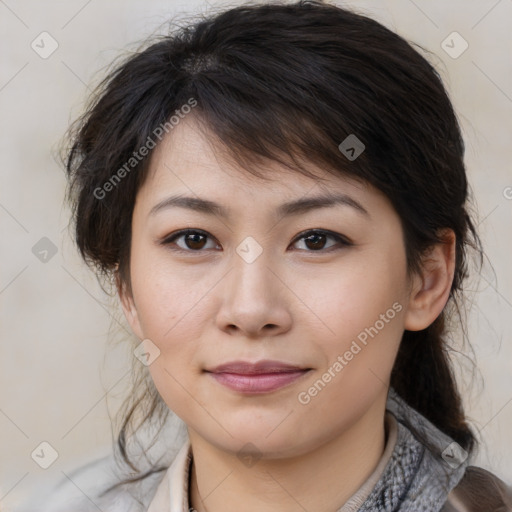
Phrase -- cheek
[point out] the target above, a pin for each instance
(168, 297)
(362, 319)
(343, 304)
(367, 324)
(172, 305)
(172, 316)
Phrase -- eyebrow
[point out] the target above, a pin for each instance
(298, 206)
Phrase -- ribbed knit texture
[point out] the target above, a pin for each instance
(416, 479)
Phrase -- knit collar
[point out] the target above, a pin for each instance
(416, 478)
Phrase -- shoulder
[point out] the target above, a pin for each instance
(479, 490)
(85, 490)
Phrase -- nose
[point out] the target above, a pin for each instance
(255, 300)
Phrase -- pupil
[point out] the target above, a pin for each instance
(315, 236)
(192, 240)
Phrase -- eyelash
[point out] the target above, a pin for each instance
(343, 241)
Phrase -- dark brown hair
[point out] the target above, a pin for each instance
(287, 83)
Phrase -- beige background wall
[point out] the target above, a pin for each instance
(55, 373)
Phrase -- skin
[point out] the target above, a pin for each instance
(297, 302)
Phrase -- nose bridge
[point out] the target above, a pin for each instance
(251, 272)
(252, 296)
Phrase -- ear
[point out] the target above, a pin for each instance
(128, 305)
(430, 290)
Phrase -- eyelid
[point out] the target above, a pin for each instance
(341, 238)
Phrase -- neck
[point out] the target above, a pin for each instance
(321, 479)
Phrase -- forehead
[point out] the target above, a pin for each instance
(191, 159)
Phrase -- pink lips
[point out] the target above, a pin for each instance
(260, 377)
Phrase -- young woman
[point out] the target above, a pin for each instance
(278, 193)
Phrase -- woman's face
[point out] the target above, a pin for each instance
(261, 281)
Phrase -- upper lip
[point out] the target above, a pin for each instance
(259, 367)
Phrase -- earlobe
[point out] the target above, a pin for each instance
(431, 290)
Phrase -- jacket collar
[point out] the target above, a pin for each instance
(172, 493)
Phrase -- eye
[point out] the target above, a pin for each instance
(194, 240)
(315, 240)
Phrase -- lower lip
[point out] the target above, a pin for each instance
(253, 384)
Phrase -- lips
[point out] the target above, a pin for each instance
(256, 378)
(258, 368)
